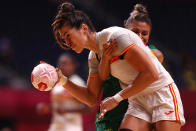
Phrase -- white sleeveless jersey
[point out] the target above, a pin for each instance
(120, 69)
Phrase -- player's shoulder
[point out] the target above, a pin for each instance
(114, 30)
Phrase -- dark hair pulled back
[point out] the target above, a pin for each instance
(68, 15)
(139, 13)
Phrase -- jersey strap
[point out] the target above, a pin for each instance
(120, 56)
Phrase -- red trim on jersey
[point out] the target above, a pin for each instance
(175, 102)
(126, 49)
(116, 58)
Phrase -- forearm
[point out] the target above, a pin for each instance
(88, 95)
(104, 69)
(62, 97)
(142, 81)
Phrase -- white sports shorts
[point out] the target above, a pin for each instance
(163, 104)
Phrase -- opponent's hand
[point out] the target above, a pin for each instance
(62, 80)
(106, 105)
(108, 50)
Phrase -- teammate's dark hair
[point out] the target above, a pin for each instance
(68, 15)
(139, 13)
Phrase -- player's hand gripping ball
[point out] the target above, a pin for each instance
(44, 77)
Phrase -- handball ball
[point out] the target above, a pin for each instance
(44, 77)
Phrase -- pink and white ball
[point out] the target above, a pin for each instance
(44, 77)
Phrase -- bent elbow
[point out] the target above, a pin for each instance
(92, 102)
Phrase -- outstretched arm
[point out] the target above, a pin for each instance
(90, 94)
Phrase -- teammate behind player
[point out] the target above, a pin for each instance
(143, 79)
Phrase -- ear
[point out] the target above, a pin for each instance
(84, 27)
